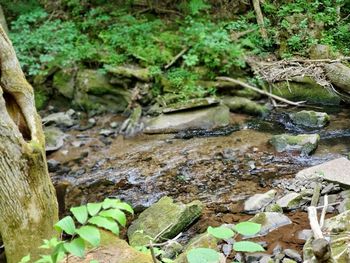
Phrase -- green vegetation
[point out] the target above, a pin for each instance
(108, 215)
(201, 255)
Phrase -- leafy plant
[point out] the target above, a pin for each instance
(82, 228)
(245, 229)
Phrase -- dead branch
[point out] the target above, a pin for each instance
(179, 55)
(316, 194)
(260, 18)
(324, 210)
(315, 226)
(263, 92)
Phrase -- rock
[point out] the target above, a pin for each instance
(303, 143)
(293, 254)
(94, 92)
(106, 132)
(164, 217)
(190, 104)
(240, 104)
(133, 124)
(172, 249)
(131, 71)
(257, 202)
(339, 75)
(60, 119)
(274, 208)
(113, 250)
(208, 118)
(288, 260)
(291, 201)
(305, 88)
(270, 221)
(54, 138)
(53, 165)
(344, 205)
(64, 83)
(304, 234)
(204, 240)
(266, 259)
(310, 119)
(319, 51)
(337, 171)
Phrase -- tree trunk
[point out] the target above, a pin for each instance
(28, 206)
(3, 20)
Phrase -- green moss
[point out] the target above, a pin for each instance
(274, 208)
(40, 99)
(310, 119)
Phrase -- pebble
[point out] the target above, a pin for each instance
(106, 132)
(293, 254)
(53, 165)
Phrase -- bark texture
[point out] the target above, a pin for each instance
(28, 206)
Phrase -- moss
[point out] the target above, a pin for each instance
(310, 119)
(239, 104)
(259, 218)
(274, 208)
(64, 82)
(41, 99)
(304, 143)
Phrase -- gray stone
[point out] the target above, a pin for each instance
(54, 138)
(288, 260)
(270, 221)
(53, 165)
(302, 143)
(190, 104)
(339, 75)
(319, 51)
(337, 171)
(164, 219)
(309, 119)
(240, 104)
(291, 201)
(64, 83)
(258, 201)
(106, 132)
(266, 259)
(293, 254)
(207, 118)
(60, 119)
(304, 234)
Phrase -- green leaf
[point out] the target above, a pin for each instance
(247, 246)
(25, 259)
(76, 247)
(106, 223)
(66, 224)
(221, 232)
(247, 228)
(80, 213)
(116, 203)
(94, 261)
(116, 214)
(90, 234)
(94, 208)
(203, 255)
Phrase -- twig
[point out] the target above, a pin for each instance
(331, 204)
(182, 52)
(316, 229)
(236, 35)
(245, 85)
(324, 210)
(326, 60)
(316, 194)
(166, 242)
(152, 252)
(260, 18)
(162, 232)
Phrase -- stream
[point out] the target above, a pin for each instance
(221, 171)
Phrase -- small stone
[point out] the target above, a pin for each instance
(70, 112)
(59, 119)
(113, 125)
(274, 208)
(270, 221)
(92, 121)
(277, 249)
(53, 165)
(258, 201)
(304, 144)
(106, 132)
(310, 119)
(77, 144)
(293, 254)
(304, 234)
(288, 260)
(291, 201)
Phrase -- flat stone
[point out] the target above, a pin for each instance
(165, 219)
(258, 201)
(290, 201)
(293, 254)
(302, 143)
(305, 234)
(270, 221)
(190, 104)
(54, 138)
(310, 119)
(208, 118)
(60, 119)
(337, 171)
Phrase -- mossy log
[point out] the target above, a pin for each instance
(28, 206)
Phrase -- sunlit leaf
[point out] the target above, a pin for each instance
(25, 259)
(247, 246)
(203, 255)
(247, 228)
(106, 223)
(116, 203)
(76, 247)
(90, 234)
(94, 208)
(80, 213)
(66, 224)
(116, 214)
(221, 232)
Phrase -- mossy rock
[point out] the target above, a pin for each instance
(94, 92)
(240, 104)
(339, 75)
(310, 119)
(165, 218)
(305, 144)
(64, 83)
(305, 89)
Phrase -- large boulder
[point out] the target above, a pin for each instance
(337, 170)
(165, 219)
(302, 143)
(94, 92)
(64, 83)
(339, 75)
(191, 104)
(309, 119)
(207, 118)
(240, 104)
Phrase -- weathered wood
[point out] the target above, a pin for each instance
(28, 206)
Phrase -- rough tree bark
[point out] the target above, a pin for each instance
(28, 206)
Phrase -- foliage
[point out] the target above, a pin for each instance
(83, 229)
(222, 232)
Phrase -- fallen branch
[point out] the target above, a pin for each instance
(316, 194)
(326, 60)
(172, 62)
(315, 226)
(324, 210)
(154, 259)
(260, 18)
(263, 92)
